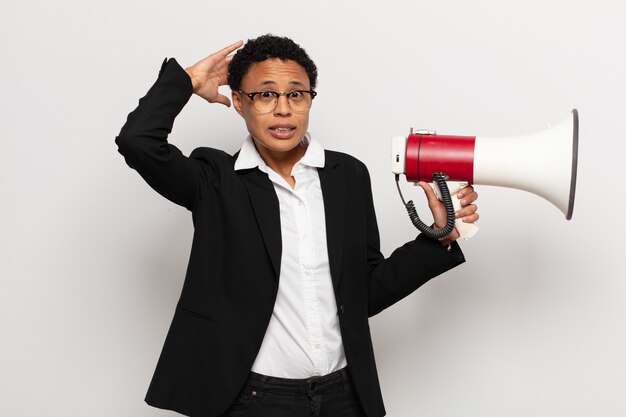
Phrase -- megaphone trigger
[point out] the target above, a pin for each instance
(466, 230)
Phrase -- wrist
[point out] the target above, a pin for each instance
(194, 82)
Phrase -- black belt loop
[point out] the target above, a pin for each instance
(346, 379)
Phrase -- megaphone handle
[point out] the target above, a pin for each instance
(439, 178)
(466, 230)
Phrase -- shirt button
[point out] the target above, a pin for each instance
(317, 346)
(308, 272)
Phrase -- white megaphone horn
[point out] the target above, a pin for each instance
(543, 163)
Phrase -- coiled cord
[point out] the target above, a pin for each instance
(439, 178)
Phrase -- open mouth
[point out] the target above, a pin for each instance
(282, 131)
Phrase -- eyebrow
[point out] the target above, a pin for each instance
(268, 82)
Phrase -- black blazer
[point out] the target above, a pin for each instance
(232, 278)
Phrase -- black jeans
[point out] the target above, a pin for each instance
(325, 396)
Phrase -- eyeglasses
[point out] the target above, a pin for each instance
(266, 101)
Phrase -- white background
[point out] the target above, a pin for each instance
(92, 260)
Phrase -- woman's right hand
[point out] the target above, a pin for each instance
(210, 73)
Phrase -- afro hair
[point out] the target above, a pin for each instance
(268, 47)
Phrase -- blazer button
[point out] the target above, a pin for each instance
(341, 309)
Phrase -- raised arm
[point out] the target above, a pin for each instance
(143, 138)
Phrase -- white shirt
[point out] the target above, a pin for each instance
(303, 338)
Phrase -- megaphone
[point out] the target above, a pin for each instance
(543, 163)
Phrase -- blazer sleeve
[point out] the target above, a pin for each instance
(143, 139)
(407, 268)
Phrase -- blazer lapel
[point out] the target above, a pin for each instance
(334, 192)
(267, 211)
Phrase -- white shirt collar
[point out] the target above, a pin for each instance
(249, 156)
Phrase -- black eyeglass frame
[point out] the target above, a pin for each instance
(277, 95)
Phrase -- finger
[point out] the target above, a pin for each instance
(468, 198)
(472, 218)
(465, 191)
(222, 99)
(222, 64)
(466, 211)
(222, 53)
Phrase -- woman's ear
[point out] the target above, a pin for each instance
(236, 98)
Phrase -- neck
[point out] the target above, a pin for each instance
(281, 162)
